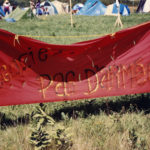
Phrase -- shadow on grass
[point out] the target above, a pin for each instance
(5, 121)
(123, 104)
(135, 103)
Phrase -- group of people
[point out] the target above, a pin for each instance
(39, 9)
(34, 5)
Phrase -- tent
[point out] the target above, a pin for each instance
(51, 9)
(19, 13)
(2, 9)
(92, 8)
(62, 8)
(113, 10)
(10, 20)
(2, 13)
(78, 6)
(144, 6)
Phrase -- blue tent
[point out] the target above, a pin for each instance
(10, 20)
(78, 6)
(124, 10)
(2, 12)
(92, 8)
(113, 10)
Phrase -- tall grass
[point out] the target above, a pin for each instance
(102, 132)
(16, 138)
(112, 132)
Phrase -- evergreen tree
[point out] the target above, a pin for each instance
(40, 139)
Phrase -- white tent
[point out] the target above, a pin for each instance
(112, 10)
(144, 6)
(62, 8)
(51, 9)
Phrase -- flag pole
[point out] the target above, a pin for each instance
(71, 19)
(118, 20)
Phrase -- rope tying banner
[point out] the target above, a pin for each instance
(32, 71)
(69, 36)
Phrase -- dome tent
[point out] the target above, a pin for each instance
(144, 6)
(2, 13)
(62, 8)
(49, 6)
(19, 13)
(78, 6)
(92, 8)
(113, 10)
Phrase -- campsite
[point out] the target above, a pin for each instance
(104, 123)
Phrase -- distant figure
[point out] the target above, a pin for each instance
(1, 16)
(32, 5)
(14, 7)
(38, 9)
(6, 5)
(46, 11)
(47, 7)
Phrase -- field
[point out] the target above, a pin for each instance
(60, 26)
(111, 123)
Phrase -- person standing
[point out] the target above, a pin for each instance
(6, 6)
(38, 8)
(32, 5)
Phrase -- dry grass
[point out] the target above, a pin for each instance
(15, 138)
(112, 132)
(102, 132)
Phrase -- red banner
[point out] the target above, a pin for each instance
(32, 71)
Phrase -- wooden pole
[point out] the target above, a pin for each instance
(71, 19)
(118, 20)
(133, 6)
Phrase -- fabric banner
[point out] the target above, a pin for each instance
(32, 71)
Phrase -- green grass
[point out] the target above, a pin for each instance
(91, 125)
(60, 26)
